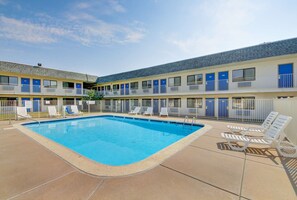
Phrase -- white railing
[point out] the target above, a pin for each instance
(36, 89)
(244, 110)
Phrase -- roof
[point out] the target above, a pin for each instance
(265, 50)
(46, 72)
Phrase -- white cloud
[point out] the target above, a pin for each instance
(103, 7)
(83, 28)
(227, 27)
(28, 32)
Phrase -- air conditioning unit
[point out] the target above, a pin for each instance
(244, 84)
(174, 88)
(146, 90)
(192, 110)
(194, 87)
(133, 91)
(8, 87)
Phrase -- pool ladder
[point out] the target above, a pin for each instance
(187, 121)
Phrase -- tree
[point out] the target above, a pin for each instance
(93, 95)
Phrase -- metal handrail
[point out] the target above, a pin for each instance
(30, 118)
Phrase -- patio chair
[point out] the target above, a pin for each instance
(135, 111)
(149, 111)
(164, 112)
(52, 112)
(75, 110)
(22, 113)
(265, 125)
(271, 136)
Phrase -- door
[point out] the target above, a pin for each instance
(223, 107)
(25, 84)
(23, 103)
(156, 86)
(36, 85)
(127, 105)
(223, 80)
(210, 82)
(36, 104)
(78, 88)
(156, 106)
(163, 85)
(163, 103)
(127, 89)
(122, 89)
(285, 76)
(210, 107)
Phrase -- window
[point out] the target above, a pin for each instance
(194, 103)
(49, 84)
(69, 85)
(146, 102)
(243, 75)
(116, 87)
(146, 84)
(134, 102)
(108, 87)
(175, 81)
(107, 102)
(68, 101)
(174, 102)
(8, 80)
(134, 85)
(50, 101)
(196, 79)
(247, 103)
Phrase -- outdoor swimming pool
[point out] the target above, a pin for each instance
(113, 140)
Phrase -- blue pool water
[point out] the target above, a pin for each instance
(112, 140)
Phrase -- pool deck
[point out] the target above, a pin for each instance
(206, 169)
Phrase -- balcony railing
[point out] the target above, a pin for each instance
(37, 89)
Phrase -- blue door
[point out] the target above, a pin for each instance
(210, 107)
(36, 104)
(78, 88)
(122, 89)
(163, 85)
(127, 89)
(156, 106)
(210, 82)
(223, 80)
(156, 86)
(23, 103)
(223, 107)
(285, 76)
(25, 84)
(36, 85)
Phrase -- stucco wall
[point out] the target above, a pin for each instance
(288, 107)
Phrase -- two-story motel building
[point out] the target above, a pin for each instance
(210, 85)
(42, 86)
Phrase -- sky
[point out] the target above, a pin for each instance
(103, 37)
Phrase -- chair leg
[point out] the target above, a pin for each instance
(235, 148)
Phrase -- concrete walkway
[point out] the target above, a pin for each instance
(206, 169)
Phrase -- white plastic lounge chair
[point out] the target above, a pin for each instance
(271, 136)
(149, 111)
(265, 125)
(22, 113)
(287, 149)
(135, 111)
(52, 112)
(164, 112)
(75, 110)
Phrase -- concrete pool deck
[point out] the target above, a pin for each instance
(206, 169)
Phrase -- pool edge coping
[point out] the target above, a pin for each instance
(97, 169)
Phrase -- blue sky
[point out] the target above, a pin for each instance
(103, 37)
